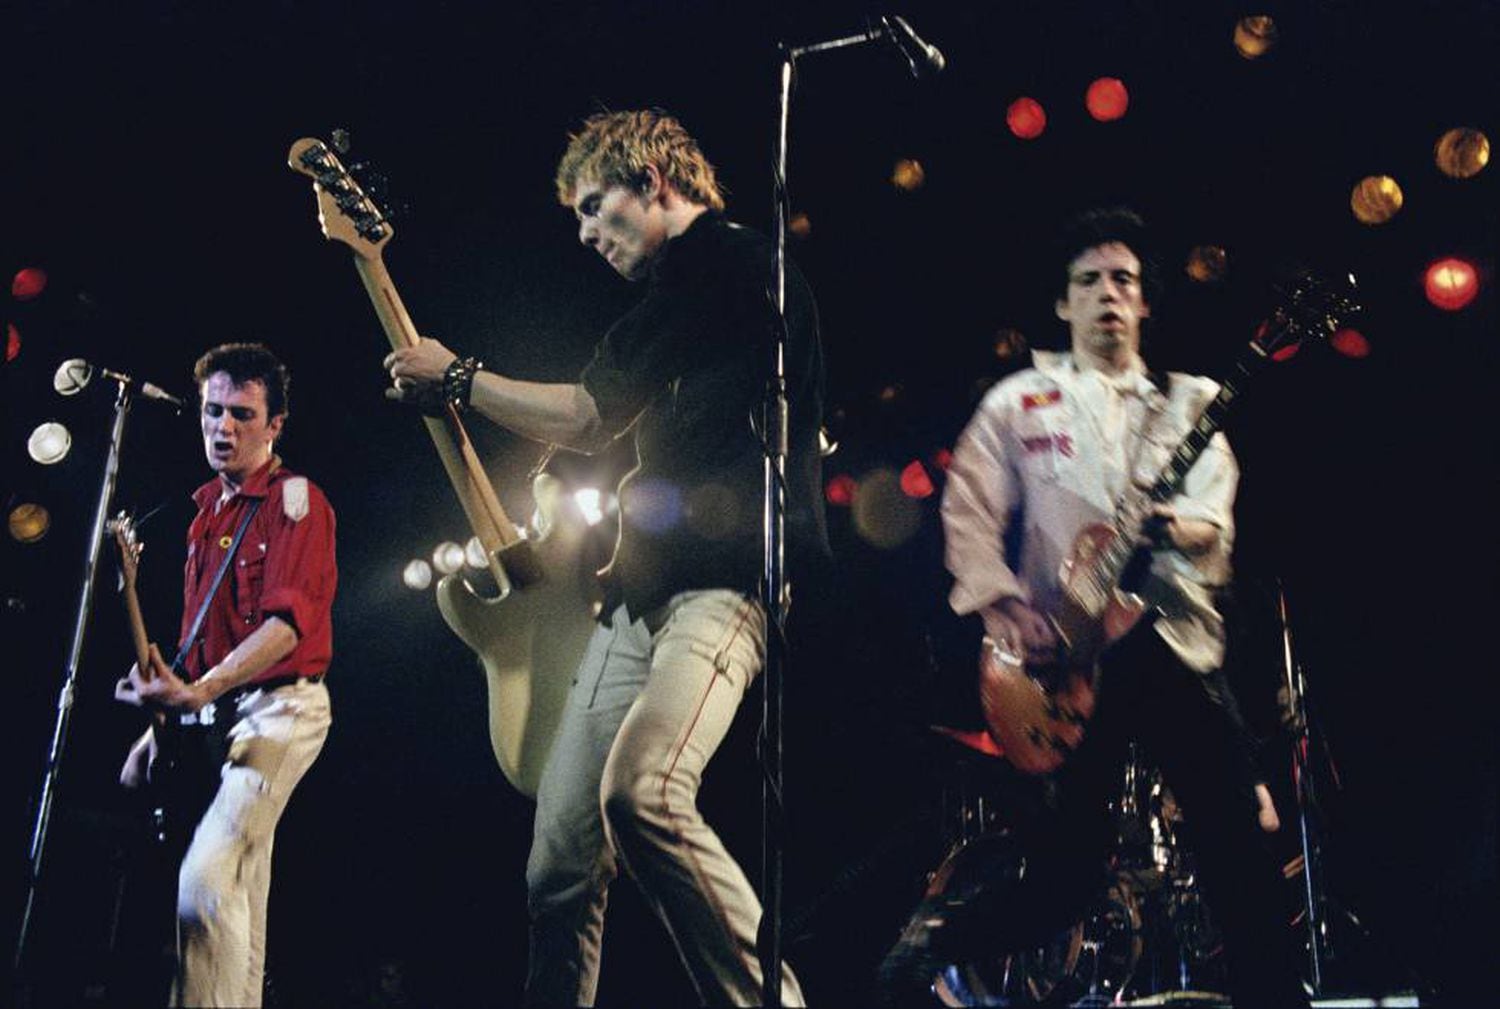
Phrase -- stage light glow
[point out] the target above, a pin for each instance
(416, 575)
(915, 483)
(800, 224)
(1026, 118)
(942, 459)
(890, 394)
(12, 342)
(840, 490)
(1207, 264)
(1451, 283)
(28, 283)
(49, 443)
(1010, 344)
(883, 515)
(1107, 99)
(447, 557)
(591, 503)
(475, 555)
(1462, 153)
(908, 175)
(29, 522)
(1350, 343)
(1376, 199)
(1255, 36)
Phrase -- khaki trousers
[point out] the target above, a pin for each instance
(226, 874)
(651, 702)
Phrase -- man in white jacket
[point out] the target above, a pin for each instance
(1050, 450)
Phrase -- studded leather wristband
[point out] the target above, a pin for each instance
(458, 381)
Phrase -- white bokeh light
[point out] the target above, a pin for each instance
(448, 557)
(590, 503)
(475, 555)
(417, 575)
(49, 443)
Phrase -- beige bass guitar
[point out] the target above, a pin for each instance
(1038, 711)
(531, 637)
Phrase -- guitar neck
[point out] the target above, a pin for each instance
(486, 517)
(1130, 519)
(139, 642)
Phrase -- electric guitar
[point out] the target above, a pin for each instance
(1038, 712)
(163, 770)
(530, 637)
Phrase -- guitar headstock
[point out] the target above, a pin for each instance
(1310, 308)
(345, 213)
(123, 528)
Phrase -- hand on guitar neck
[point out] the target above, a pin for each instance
(156, 686)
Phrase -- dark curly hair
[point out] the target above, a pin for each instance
(249, 362)
(1101, 226)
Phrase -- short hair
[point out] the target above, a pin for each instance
(1102, 226)
(249, 362)
(614, 148)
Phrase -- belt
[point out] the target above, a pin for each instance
(280, 681)
(208, 714)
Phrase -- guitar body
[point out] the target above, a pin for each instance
(1038, 712)
(531, 639)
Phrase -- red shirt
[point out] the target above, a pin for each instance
(284, 568)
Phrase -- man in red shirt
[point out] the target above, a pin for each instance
(261, 651)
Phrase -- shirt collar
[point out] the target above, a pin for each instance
(257, 484)
(680, 249)
(1060, 366)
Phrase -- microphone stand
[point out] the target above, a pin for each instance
(774, 596)
(123, 399)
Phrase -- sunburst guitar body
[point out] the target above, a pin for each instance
(1037, 708)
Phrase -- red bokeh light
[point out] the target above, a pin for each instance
(1107, 99)
(28, 283)
(915, 482)
(1350, 343)
(1451, 284)
(1282, 353)
(1026, 118)
(12, 341)
(942, 459)
(840, 490)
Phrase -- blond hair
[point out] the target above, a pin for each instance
(614, 148)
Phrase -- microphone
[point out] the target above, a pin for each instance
(74, 374)
(924, 59)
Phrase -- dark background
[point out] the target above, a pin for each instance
(144, 170)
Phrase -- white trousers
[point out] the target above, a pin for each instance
(226, 874)
(651, 702)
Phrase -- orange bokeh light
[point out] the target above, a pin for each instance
(1107, 99)
(1451, 283)
(1026, 118)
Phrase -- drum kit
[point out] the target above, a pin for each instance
(1148, 938)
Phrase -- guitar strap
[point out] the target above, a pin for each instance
(213, 590)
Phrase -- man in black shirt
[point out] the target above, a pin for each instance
(666, 669)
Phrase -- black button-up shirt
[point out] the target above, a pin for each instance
(687, 367)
